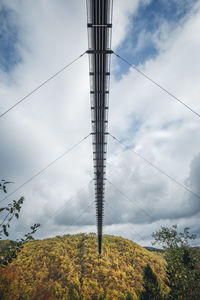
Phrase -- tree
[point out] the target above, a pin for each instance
(151, 288)
(73, 293)
(129, 296)
(11, 211)
(183, 274)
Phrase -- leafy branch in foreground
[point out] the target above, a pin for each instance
(11, 211)
(183, 273)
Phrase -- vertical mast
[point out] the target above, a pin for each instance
(99, 17)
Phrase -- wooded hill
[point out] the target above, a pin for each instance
(69, 267)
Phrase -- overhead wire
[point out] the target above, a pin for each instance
(72, 197)
(82, 213)
(46, 167)
(157, 84)
(135, 202)
(157, 168)
(141, 237)
(147, 213)
(41, 85)
(110, 216)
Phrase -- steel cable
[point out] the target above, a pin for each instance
(41, 85)
(158, 85)
(46, 167)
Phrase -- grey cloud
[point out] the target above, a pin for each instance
(78, 211)
(59, 115)
(141, 198)
(193, 182)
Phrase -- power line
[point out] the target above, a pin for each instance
(125, 196)
(82, 213)
(157, 168)
(141, 238)
(110, 216)
(42, 84)
(45, 168)
(158, 85)
(56, 212)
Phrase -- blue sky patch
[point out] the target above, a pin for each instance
(139, 46)
(9, 38)
(172, 124)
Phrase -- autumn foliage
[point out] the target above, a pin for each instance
(69, 267)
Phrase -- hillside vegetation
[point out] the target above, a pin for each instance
(69, 267)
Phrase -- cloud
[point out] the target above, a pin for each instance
(193, 182)
(9, 37)
(167, 133)
(51, 34)
(78, 211)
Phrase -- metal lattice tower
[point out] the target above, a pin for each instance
(99, 15)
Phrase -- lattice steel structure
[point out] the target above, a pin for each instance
(99, 15)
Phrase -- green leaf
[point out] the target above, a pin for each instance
(4, 230)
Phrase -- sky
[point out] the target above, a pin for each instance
(161, 38)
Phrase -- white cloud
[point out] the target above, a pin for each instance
(58, 115)
(168, 133)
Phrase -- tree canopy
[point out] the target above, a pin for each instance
(183, 273)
